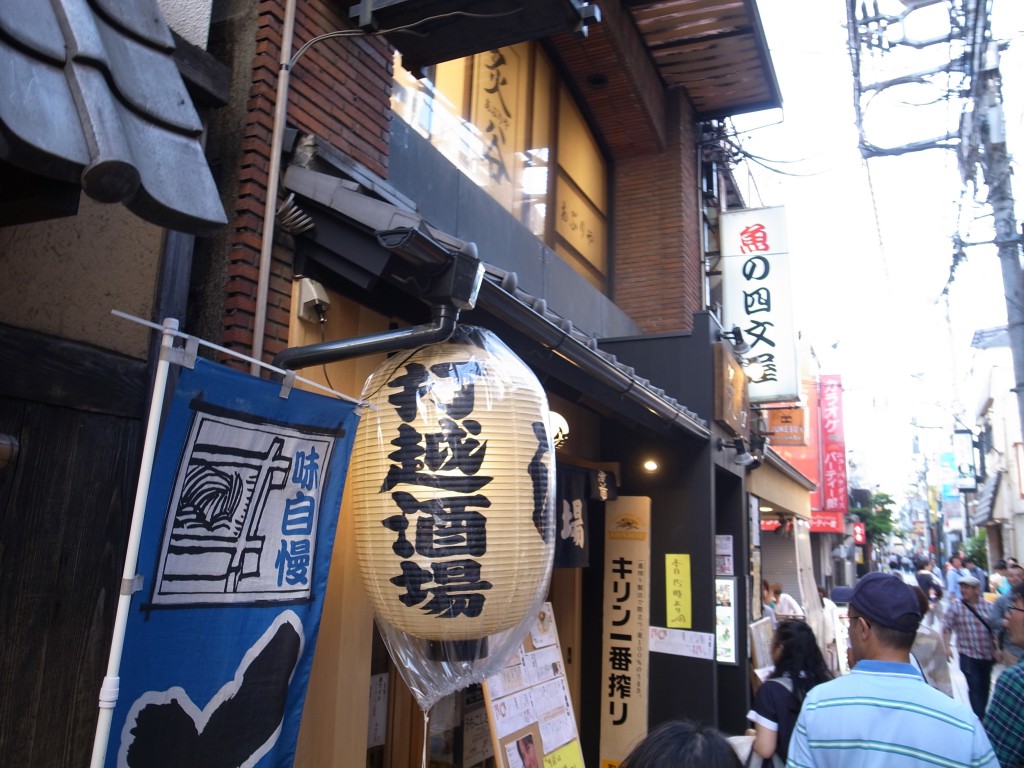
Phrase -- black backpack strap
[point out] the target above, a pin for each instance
(977, 616)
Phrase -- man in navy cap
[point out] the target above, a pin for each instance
(884, 713)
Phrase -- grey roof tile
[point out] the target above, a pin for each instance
(90, 93)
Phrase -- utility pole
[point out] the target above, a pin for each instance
(982, 139)
(995, 165)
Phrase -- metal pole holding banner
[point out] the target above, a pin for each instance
(111, 682)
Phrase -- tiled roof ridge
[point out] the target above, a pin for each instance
(112, 76)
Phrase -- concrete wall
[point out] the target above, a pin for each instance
(62, 277)
(189, 18)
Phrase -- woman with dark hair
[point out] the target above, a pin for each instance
(682, 744)
(799, 666)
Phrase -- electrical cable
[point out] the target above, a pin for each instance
(323, 340)
(405, 28)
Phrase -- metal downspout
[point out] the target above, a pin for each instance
(441, 329)
(273, 185)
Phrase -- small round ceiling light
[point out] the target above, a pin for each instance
(559, 428)
(650, 465)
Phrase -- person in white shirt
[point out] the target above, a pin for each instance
(785, 604)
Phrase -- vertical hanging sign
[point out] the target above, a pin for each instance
(625, 626)
(757, 296)
(833, 448)
(498, 113)
(235, 548)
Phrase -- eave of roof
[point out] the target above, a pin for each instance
(713, 50)
(555, 342)
(90, 94)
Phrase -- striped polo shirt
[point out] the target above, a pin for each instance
(884, 714)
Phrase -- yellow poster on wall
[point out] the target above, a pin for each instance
(678, 592)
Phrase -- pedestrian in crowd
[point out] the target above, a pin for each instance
(798, 667)
(969, 618)
(682, 744)
(883, 713)
(785, 604)
(997, 579)
(829, 615)
(972, 567)
(769, 601)
(1008, 652)
(1003, 721)
(932, 585)
(953, 575)
(929, 651)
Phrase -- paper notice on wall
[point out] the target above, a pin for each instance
(378, 721)
(513, 713)
(476, 731)
(557, 725)
(682, 642)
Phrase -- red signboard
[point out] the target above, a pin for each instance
(833, 444)
(826, 522)
(860, 534)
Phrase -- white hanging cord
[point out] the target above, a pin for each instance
(426, 735)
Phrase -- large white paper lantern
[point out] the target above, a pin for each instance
(452, 480)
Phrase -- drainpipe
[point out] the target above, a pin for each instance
(273, 184)
(441, 329)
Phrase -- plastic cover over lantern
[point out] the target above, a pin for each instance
(452, 481)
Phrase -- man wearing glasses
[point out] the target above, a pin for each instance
(883, 713)
(1009, 651)
(1003, 721)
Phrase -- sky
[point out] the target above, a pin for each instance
(871, 242)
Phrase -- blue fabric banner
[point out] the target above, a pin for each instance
(237, 541)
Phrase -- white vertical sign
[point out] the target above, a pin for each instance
(757, 296)
(625, 626)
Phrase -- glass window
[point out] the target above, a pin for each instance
(495, 116)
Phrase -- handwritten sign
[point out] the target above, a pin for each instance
(682, 642)
(678, 593)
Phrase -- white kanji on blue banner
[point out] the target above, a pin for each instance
(236, 545)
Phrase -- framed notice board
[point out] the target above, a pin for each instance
(725, 619)
(528, 706)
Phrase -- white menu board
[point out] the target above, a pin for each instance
(528, 704)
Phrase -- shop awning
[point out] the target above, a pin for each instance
(983, 512)
(782, 486)
(344, 238)
(91, 98)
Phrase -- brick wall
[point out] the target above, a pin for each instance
(340, 91)
(658, 271)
